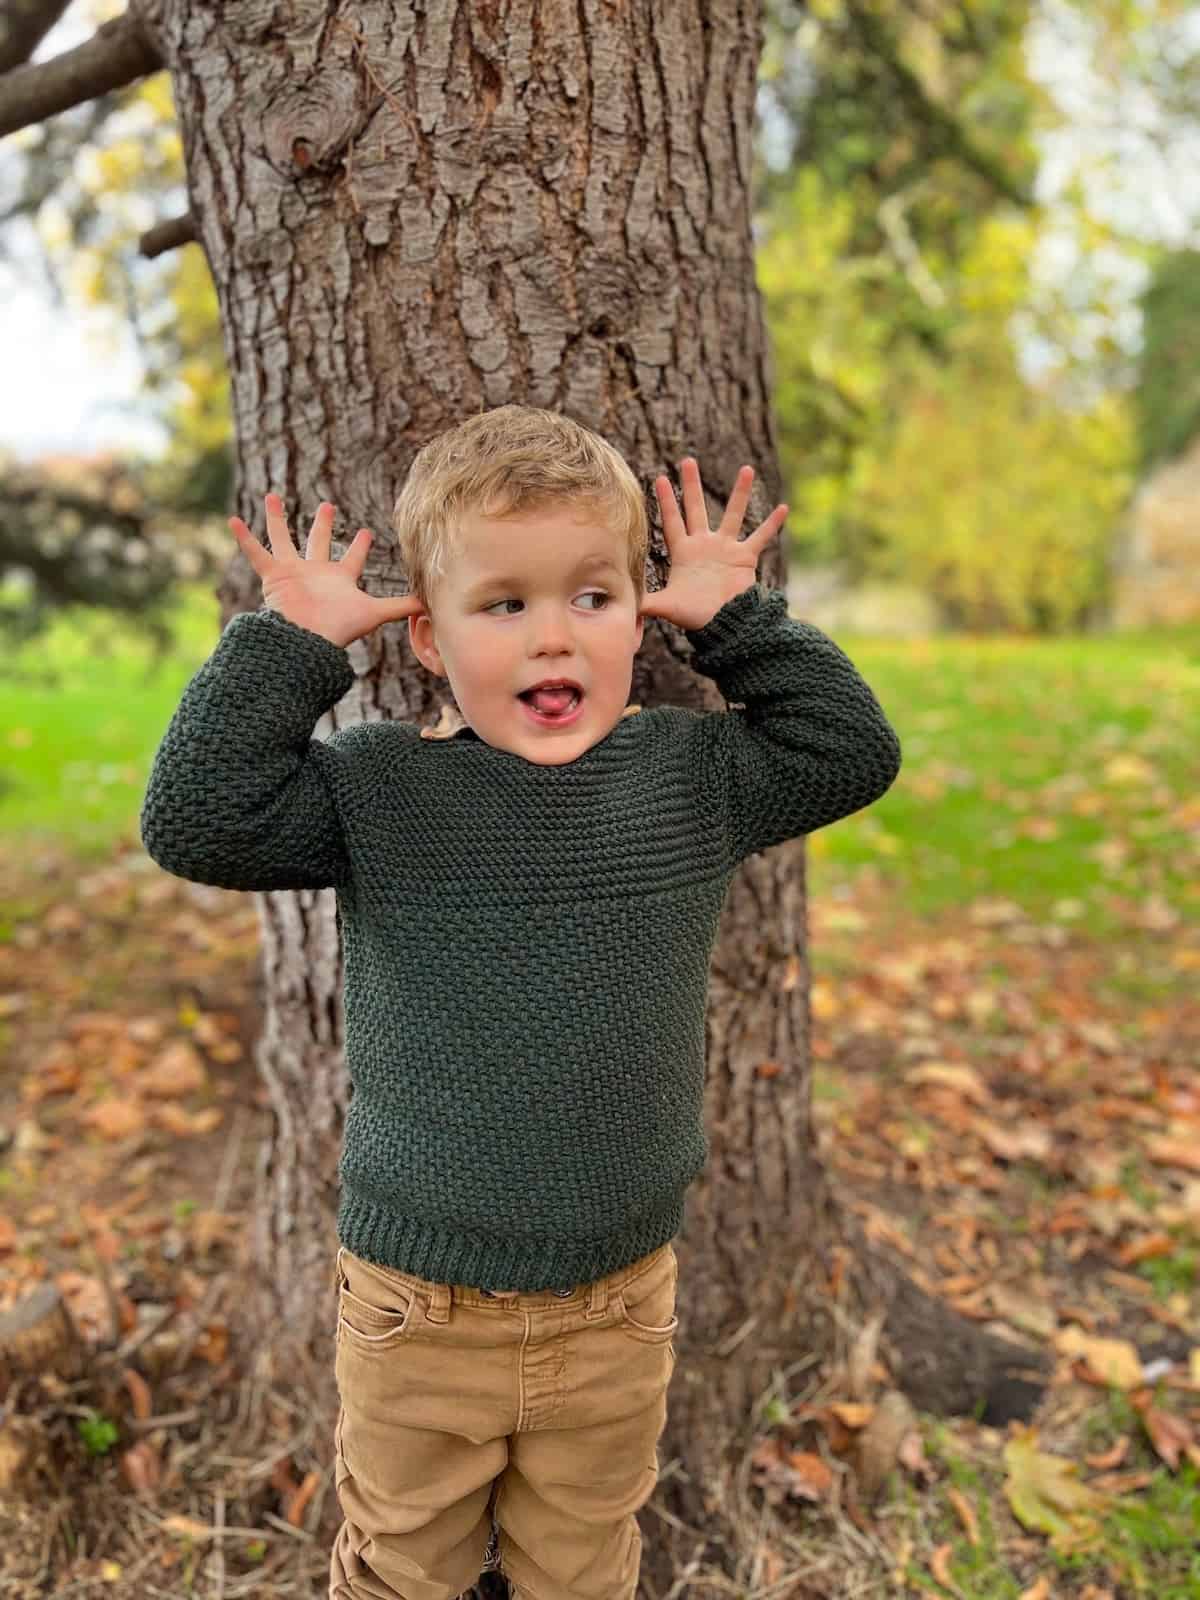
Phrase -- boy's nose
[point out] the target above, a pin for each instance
(550, 636)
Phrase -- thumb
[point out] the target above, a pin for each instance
(652, 605)
(395, 610)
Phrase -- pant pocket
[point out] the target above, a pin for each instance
(374, 1313)
(647, 1305)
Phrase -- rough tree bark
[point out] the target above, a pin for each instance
(412, 212)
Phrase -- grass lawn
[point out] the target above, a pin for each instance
(80, 719)
(1058, 774)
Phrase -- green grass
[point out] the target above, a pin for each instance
(75, 751)
(1042, 771)
(1147, 1541)
(1152, 1540)
(1090, 739)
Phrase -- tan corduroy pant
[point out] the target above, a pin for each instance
(538, 1412)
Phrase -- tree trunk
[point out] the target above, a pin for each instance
(410, 214)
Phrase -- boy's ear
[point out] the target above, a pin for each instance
(424, 647)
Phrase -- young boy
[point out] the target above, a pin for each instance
(528, 906)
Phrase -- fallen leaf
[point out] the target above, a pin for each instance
(88, 1305)
(1117, 1484)
(1039, 1591)
(1171, 1152)
(177, 1071)
(139, 1393)
(911, 1456)
(951, 1075)
(188, 1527)
(142, 1466)
(1115, 1361)
(1129, 767)
(1170, 1435)
(1023, 1311)
(116, 1118)
(185, 1124)
(939, 1565)
(1147, 1248)
(213, 1345)
(966, 1514)
(781, 1473)
(1025, 1141)
(1109, 1459)
(296, 1506)
(852, 1414)
(1044, 1495)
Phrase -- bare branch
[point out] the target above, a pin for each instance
(164, 236)
(23, 26)
(117, 54)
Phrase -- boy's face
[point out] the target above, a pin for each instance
(530, 598)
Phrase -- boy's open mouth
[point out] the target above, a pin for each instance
(554, 700)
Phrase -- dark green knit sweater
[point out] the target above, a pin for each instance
(526, 947)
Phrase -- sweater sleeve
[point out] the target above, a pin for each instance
(240, 795)
(812, 744)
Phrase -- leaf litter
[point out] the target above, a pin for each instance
(1029, 1150)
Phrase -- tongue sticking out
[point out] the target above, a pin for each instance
(552, 702)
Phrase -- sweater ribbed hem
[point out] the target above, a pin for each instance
(528, 1263)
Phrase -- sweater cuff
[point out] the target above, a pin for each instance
(306, 663)
(735, 628)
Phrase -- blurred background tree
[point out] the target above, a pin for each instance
(1168, 381)
(957, 207)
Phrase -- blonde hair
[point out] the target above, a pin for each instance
(502, 462)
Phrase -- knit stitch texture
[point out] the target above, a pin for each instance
(526, 947)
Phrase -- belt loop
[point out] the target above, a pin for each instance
(337, 1269)
(597, 1300)
(439, 1303)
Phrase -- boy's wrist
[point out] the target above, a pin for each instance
(322, 631)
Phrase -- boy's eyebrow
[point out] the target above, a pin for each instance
(593, 562)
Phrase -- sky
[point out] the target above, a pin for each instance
(64, 388)
(73, 379)
(68, 376)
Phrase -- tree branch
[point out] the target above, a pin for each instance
(946, 133)
(117, 54)
(164, 236)
(23, 26)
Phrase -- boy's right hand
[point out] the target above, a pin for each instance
(311, 590)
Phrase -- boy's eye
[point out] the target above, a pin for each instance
(589, 594)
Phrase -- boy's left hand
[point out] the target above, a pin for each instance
(708, 567)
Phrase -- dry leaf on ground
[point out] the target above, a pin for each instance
(1114, 1361)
